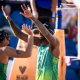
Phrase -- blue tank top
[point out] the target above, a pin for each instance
(47, 4)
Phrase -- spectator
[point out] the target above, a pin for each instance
(73, 31)
(41, 8)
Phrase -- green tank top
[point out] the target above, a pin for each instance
(3, 69)
(47, 64)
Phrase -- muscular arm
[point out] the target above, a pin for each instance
(11, 52)
(51, 39)
(18, 33)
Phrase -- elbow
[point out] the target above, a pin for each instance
(28, 55)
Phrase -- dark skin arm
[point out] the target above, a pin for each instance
(51, 39)
(54, 42)
(18, 33)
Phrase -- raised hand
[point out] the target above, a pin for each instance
(25, 28)
(27, 12)
(5, 14)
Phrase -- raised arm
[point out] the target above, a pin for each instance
(34, 10)
(11, 52)
(14, 28)
(18, 33)
(51, 39)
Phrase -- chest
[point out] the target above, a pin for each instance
(43, 58)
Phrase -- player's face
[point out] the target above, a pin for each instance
(7, 40)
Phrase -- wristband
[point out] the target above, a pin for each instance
(10, 19)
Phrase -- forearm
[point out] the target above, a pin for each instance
(50, 38)
(14, 28)
(29, 46)
(33, 6)
(40, 26)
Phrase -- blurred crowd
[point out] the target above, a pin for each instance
(44, 14)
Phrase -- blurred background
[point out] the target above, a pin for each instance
(69, 24)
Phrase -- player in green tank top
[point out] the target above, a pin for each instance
(49, 46)
(3, 69)
(47, 64)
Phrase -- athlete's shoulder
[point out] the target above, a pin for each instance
(4, 49)
(56, 39)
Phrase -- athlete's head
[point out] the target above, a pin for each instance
(4, 37)
(50, 28)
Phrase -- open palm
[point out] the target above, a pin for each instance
(25, 28)
(27, 12)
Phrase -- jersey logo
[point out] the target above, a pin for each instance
(22, 69)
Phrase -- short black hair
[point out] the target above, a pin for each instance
(3, 34)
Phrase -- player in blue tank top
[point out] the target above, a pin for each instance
(41, 10)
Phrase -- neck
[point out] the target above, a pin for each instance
(1, 45)
(45, 42)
